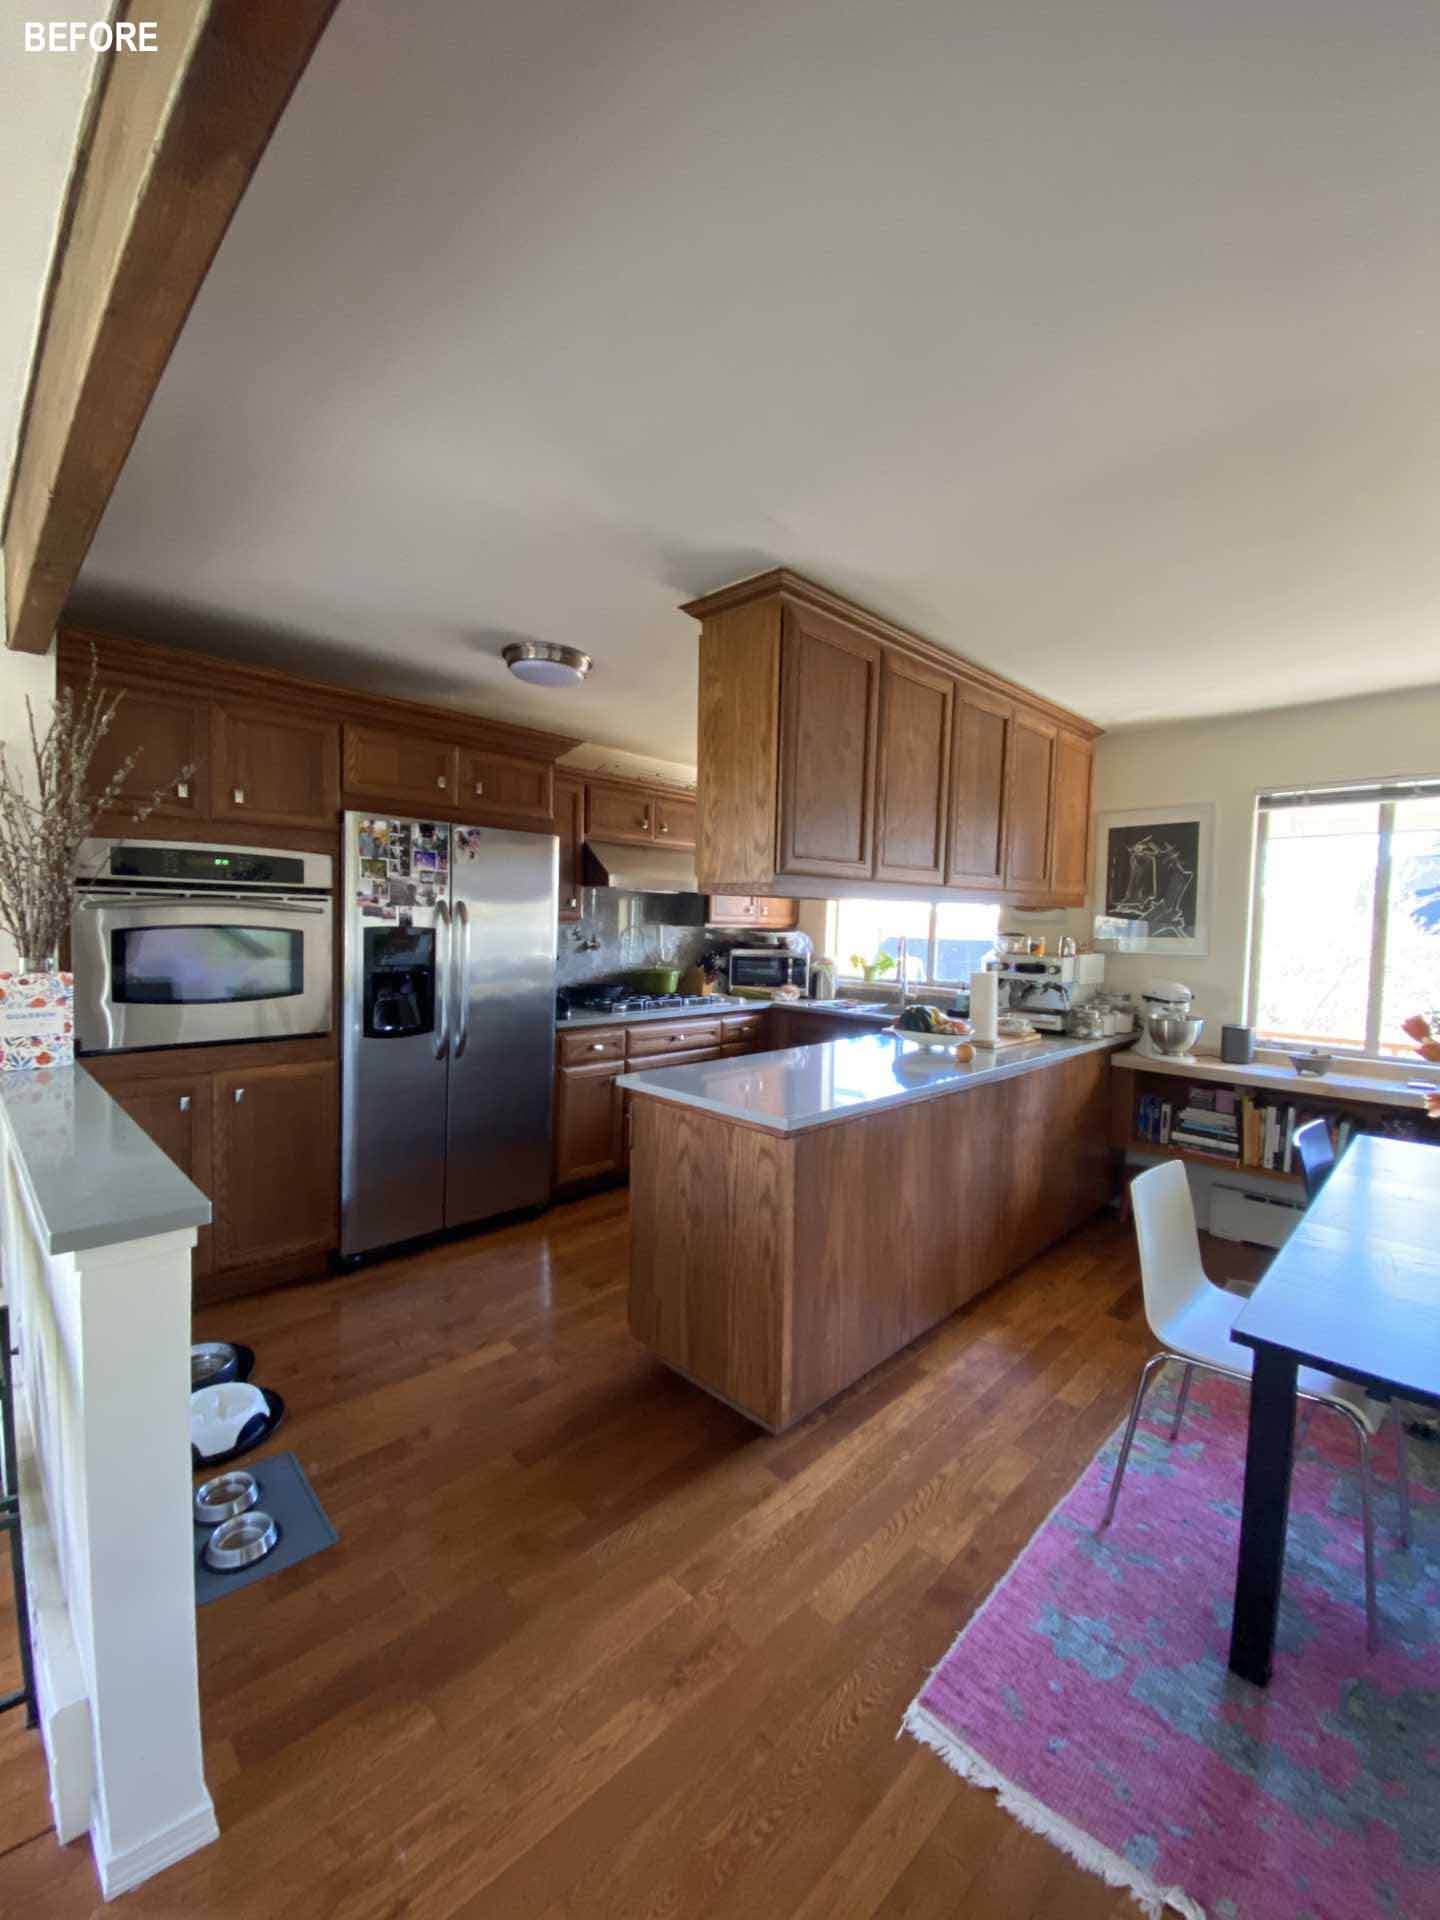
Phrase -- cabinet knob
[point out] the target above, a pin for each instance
(239, 796)
(573, 902)
(597, 1046)
(440, 781)
(664, 826)
(645, 819)
(184, 1103)
(182, 790)
(479, 789)
(239, 1095)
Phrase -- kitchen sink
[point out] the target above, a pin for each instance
(853, 1006)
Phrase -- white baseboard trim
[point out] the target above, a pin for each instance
(121, 1871)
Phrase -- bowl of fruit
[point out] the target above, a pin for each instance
(937, 1032)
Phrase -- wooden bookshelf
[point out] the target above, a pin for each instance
(1219, 1161)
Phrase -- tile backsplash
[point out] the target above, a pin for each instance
(630, 930)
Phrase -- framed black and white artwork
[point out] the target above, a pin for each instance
(1154, 870)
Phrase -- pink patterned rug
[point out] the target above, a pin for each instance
(1091, 1690)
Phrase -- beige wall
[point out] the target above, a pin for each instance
(1227, 762)
(22, 674)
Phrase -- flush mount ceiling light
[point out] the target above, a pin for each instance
(543, 665)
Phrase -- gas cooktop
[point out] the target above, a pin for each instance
(607, 1000)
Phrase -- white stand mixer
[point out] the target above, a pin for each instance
(1168, 1029)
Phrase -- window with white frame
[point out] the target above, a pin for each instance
(946, 940)
(1345, 928)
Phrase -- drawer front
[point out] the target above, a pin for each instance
(742, 1026)
(673, 1036)
(589, 1044)
(690, 1057)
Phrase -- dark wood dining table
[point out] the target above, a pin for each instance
(1355, 1291)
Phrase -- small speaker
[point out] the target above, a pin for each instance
(1237, 1045)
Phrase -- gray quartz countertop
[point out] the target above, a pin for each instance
(93, 1177)
(797, 1088)
(722, 1005)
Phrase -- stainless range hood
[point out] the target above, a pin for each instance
(640, 869)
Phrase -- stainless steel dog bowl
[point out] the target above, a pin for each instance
(241, 1541)
(224, 1497)
(212, 1361)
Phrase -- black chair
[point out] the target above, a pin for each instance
(1315, 1154)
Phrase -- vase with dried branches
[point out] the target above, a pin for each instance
(47, 811)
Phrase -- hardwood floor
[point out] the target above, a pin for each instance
(591, 1644)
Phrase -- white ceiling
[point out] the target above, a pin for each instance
(1098, 342)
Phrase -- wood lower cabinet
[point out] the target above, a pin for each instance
(912, 807)
(277, 1162)
(506, 786)
(274, 766)
(404, 771)
(830, 696)
(570, 826)
(588, 1121)
(176, 1113)
(1028, 802)
(976, 856)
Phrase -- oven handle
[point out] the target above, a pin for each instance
(461, 969)
(278, 903)
(442, 980)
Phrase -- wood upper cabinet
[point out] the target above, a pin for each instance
(619, 813)
(751, 910)
(277, 1162)
(830, 688)
(1028, 800)
(675, 822)
(505, 785)
(913, 780)
(588, 1120)
(570, 826)
(166, 732)
(976, 856)
(175, 1112)
(274, 766)
(1070, 818)
(401, 770)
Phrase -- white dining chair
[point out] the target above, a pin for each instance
(1191, 1318)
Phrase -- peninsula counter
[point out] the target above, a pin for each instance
(797, 1217)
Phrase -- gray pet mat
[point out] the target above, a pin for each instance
(304, 1526)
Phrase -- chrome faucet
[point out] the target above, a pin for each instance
(904, 971)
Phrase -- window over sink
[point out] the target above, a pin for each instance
(947, 939)
(1345, 922)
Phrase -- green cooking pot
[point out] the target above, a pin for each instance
(655, 979)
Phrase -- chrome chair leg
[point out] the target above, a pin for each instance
(1184, 1395)
(1302, 1425)
(1122, 1459)
(1402, 1472)
(1372, 1630)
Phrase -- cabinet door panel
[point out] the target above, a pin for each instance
(776, 914)
(166, 733)
(731, 910)
(618, 813)
(588, 1121)
(505, 786)
(399, 769)
(175, 1112)
(275, 767)
(1028, 803)
(916, 706)
(977, 794)
(675, 822)
(829, 699)
(570, 825)
(1070, 836)
(277, 1162)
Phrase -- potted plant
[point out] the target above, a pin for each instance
(872, 970)
(47, 811)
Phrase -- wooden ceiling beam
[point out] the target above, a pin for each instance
(173, 140)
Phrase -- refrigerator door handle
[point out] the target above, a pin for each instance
(443, 965)
(461, 970)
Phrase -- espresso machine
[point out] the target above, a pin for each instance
(1042, 987)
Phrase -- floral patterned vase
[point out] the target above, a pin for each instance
(37, 1020)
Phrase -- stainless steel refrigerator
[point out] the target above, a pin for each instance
(449, 1025)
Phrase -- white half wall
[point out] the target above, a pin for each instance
(1228, 762)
